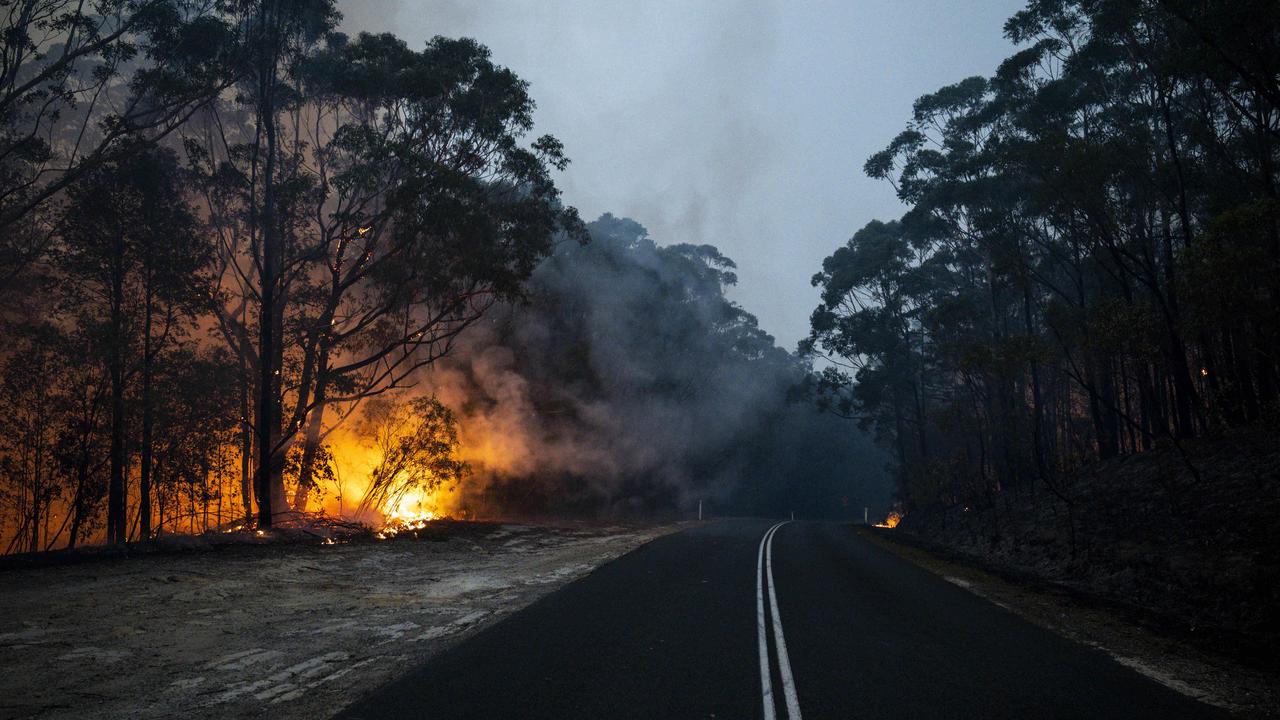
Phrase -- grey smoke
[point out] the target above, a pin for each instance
(629, 384)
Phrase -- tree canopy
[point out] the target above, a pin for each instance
(1090, 264)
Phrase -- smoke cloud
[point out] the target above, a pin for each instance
(630, 384)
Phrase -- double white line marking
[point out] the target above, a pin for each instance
(764, 578)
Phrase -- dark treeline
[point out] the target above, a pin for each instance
(222, 226)
(629, 384)
(1090, 265)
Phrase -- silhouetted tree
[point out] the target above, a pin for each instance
(1079, 225)
(133, 257)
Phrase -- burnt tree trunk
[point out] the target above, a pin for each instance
(117, 516)
(144, 472)
(268, 431)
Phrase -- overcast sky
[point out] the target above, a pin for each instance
(739, 123)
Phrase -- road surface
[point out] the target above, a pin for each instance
(755, 619)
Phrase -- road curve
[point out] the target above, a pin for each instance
(679, 628)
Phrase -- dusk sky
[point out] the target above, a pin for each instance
(743, 124)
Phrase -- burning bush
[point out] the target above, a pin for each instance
(891, 521)
(417, 446)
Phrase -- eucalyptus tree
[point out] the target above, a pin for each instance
(871, 331)
(250, 195)
(407, 204)
(283, 33)
(427, 211)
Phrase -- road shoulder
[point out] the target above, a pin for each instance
(1220, 681)
(281, 631)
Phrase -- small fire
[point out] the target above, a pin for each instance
(891, 521)
(410, 513)
(406, 523)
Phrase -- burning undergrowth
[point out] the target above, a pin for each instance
(891, 520)
(627, 384)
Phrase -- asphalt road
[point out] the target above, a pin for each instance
(682, 627)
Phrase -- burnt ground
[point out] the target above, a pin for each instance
(281, 630)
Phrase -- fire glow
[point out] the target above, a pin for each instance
(891, 521)
(354, 461)
(411, 513)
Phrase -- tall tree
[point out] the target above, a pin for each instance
(407, 206)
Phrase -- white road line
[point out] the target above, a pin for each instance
(780, 643)
(766, 683)
(764, 569)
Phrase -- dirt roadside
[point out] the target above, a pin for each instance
(285, 631)
(1248, 691)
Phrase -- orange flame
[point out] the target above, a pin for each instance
(354, 460)
(891, 521)
(411, 513)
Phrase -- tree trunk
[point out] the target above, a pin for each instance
(117, 516)
(279, 502)
(35, 491)
(246, 440)
(144, 473)
(1037, 396)
(160, 505)
(1104, 437)
(77, 502)
(268, 372)
(311, 443)
(315, 423)
(204, 493)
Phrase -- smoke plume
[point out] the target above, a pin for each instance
(629, 384)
